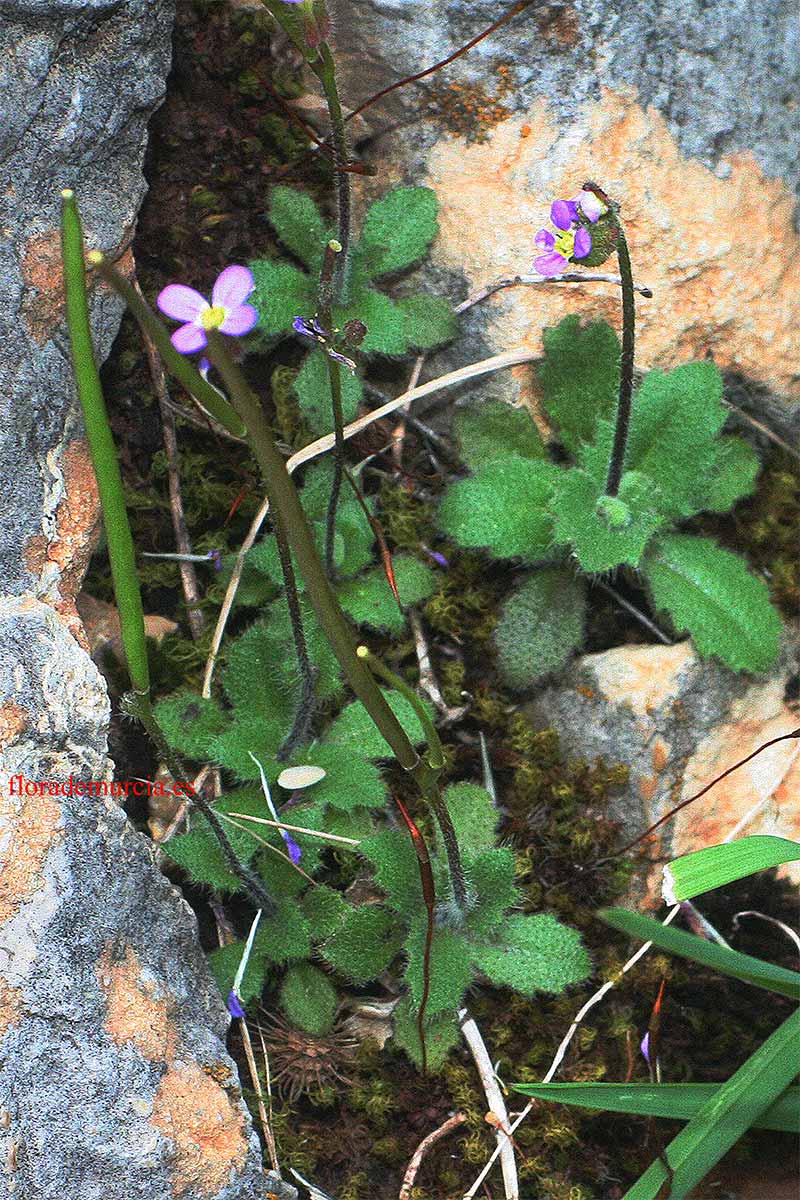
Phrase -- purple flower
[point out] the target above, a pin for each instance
(571, 240)
(311, 328)
(644, 1046)
(235, 1006)
(227, 311)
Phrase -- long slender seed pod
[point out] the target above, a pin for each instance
(101, 448)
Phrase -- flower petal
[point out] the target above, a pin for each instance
(295, 853)
(550, 264)
(562, 213)
(180, 302)
(590, 205)
(239, 320)
(189, 338)
(233, 286)
(235, 1006)
(583, 243)
(544, 240)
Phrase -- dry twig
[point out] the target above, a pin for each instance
(422, 1149)
(497, 1105)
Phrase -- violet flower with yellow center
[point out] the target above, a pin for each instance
(227, 311)
(571, 241)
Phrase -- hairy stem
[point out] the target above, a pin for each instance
(617, 463)
(326, 73)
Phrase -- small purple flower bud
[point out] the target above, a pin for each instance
(590, 205)
(215, 556)
(302, 325)
(295, 853)
(583, 243)
(644, 1046)
(204, 366)
(436, 556)
(235, 1006)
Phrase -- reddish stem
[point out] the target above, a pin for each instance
(429, 896)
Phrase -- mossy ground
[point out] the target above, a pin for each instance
(218, 143)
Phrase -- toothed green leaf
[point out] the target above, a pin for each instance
(281, 293)
(541, 625)
(733, 476)
(364, 943)
(396, 868)
(605, 531)
(440, 1035)
(324, 908)
(368, 600)
(450, 970)
(313, 390)
(385, 322)
(428, 321)
(491, 878)
(579, 377)
(504, 508)
(673, 437)
(224, 964)
(285, 936)
(354, 729)
(297, 222)
(709, 593)
(397, 231)
(534, 954)
(473, 814)
(494, 430)
(309, 999)
(352, 781)
(189, 722)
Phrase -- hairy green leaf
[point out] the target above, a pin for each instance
(429, 321)
(355, 729)
(494, 430)
(224, 964)
(385, 322)
(397, 231)
(450, 969)
(504, 508)
(281, 294)
(297, 222)
(313, 390)
(534, 954)
(733, 475)
(605, 531)
(368, 600)
(440, 1035)
(579, 377)
(709, 593)
(363, 944)
(396, 869)
(309, 999)
(189, 722)
(541, 625)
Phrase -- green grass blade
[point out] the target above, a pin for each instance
(678, 1101)
(718, 958)
(722, 1120)
(713, 867)
(102, 450)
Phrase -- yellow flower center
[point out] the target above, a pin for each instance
(565, 243)
(212, 317)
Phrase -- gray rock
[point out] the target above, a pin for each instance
(114, 1079)
(678, 722)
(684, 114)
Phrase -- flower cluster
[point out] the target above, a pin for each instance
(227, 311)
(571, 240)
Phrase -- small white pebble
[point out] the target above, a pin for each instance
(300, 777)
